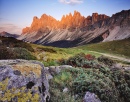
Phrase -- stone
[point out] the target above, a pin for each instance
(65, 90)
(65, 66)
(27, 74)
(49, 76)
(91, 97)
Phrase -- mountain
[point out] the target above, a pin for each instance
(5, 34)
(74, 30)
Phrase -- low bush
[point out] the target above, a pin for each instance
(15, 53)
(22, 53)
(12, 42)
(96, 82)
(6, 53)
(109, 85)
(46, 49)
(50, 63)
(105, 60)
(81, 60)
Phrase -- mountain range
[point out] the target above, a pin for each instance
(6, 34)
(74, 30)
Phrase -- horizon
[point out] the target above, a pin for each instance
(18, 14)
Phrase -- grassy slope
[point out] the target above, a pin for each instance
(58, 53)
(45, 53)
(120, 47)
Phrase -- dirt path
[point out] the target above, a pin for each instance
(113, 56)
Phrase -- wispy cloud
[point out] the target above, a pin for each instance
(10, 28)
(71, 2)
(94, 1)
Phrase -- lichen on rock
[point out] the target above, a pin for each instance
(23, 80)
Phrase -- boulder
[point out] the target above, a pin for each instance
(23, 79)
(91, 97)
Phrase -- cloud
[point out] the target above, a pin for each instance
(10, 28)
(94, 1)
(71, 2)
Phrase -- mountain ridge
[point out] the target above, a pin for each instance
(74, 30)
(67, 21)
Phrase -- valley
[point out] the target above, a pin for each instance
(64, 51)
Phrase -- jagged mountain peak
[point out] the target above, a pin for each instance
(68, 21)
(75, 29)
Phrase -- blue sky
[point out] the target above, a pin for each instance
(17, 14)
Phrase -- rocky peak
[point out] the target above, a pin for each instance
(96, 17)
(35, 18)
(25, 30)
(67, 22)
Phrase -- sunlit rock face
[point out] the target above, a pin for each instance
(75, 29)
(23, 80)
(67, 21)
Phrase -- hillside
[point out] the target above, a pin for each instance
(121, 47)
(12, 48)
(61, 74)
(74, 29)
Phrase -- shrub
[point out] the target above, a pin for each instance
(109, 85)
(106, 60)
(63, 79)
(6, 53)
(89, 57)
(51, 50)
(50, 63)
(22, 53)
(81, 60)
(58, 83)
(96, 82)
(12, 42)
(121, 79)
(15, 53)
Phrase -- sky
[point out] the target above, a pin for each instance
(18, 14)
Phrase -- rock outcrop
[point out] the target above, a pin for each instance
(74, 30)
(23, 80)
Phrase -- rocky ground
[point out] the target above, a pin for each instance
(28, 81)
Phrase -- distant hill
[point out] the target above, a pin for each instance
(74, 30)
(6, 34)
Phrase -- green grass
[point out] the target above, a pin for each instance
(49, 55)
(54, 53)
(119, 47)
